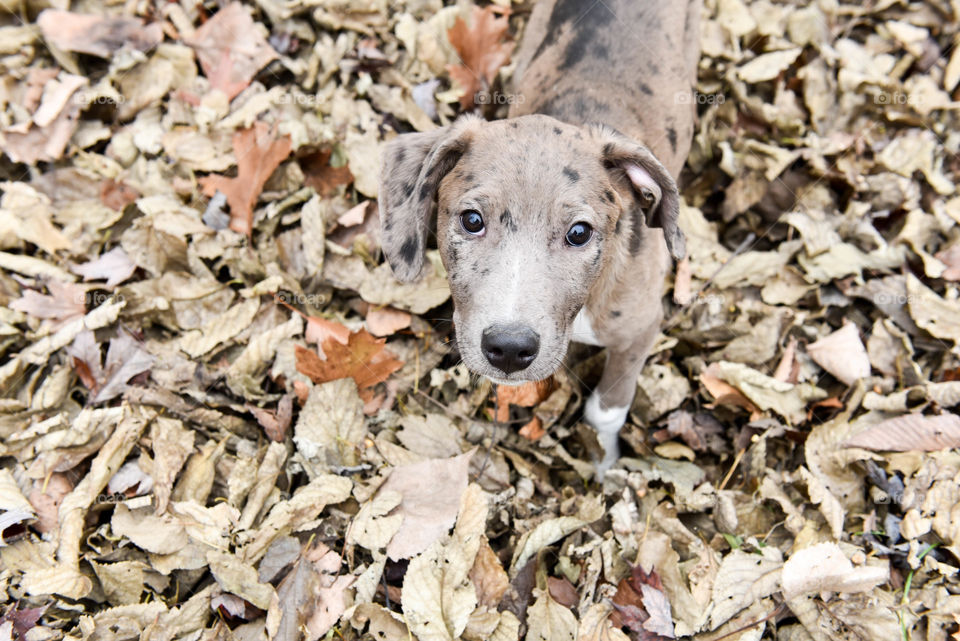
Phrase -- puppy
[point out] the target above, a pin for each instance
(557, 224)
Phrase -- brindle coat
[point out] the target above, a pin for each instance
(593, 79)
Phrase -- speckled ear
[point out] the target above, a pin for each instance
(411, 170)
(652, 182)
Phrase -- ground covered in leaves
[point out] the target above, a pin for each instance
(222, 418)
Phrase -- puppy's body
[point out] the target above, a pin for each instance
(512, 198)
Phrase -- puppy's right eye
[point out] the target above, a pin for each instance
(472, 221)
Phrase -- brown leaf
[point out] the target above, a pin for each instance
(533, 431)
(321, 175)
(480, 49)
(274, 423)
(525, 395)
(488, 576)
(258, 155)
(117, 194)
(363, 358)
(910, 432)
(563, 591)
(231, 49)
(726, 394)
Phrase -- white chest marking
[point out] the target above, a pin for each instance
(583, 330)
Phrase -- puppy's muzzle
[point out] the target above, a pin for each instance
(510, 348)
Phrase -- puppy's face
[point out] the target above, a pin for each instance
(523, 224)
(529, 213)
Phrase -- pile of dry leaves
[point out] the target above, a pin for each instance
(221, 417)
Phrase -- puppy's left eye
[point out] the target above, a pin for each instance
(472, 221)
(579, 234)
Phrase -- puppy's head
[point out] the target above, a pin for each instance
(529, 213)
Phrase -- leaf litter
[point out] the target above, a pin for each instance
(222, 417)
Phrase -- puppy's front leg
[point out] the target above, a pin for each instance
(606, 409)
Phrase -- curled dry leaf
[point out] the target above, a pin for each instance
(910, 432)
(824, 567)
(842, 354)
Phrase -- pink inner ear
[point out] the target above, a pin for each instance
(643, 182)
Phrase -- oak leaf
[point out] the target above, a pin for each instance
(258, 155)
(481, 51)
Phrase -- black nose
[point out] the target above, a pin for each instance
(510, 348)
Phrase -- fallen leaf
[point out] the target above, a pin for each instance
(65, 301)
(113, 266)
(45, 136)
(533, 431)
(126, 358)
(275, 423)
(363, 358)
(117, 194)
(324, 177)
(523, 395)
(258, 154)
(97, 35)
(548, 620)
(231, 50)
(910, 432)
(355, 215)
(431, 491)
(319, 330)
(481, 51)
(824, 567)
(438, 595)
(385, 321)
(951, 258)
(330, 427)
(842, 354)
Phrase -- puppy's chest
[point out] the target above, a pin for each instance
(583, 331)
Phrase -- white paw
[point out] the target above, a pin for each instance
(607, 422)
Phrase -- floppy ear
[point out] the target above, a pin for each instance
(652, 182)
(410, 172)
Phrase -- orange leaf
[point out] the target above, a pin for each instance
(363, 359)
(533, 431)
(526, 395)
(258, 155)
(481, 51)
(321, 175)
